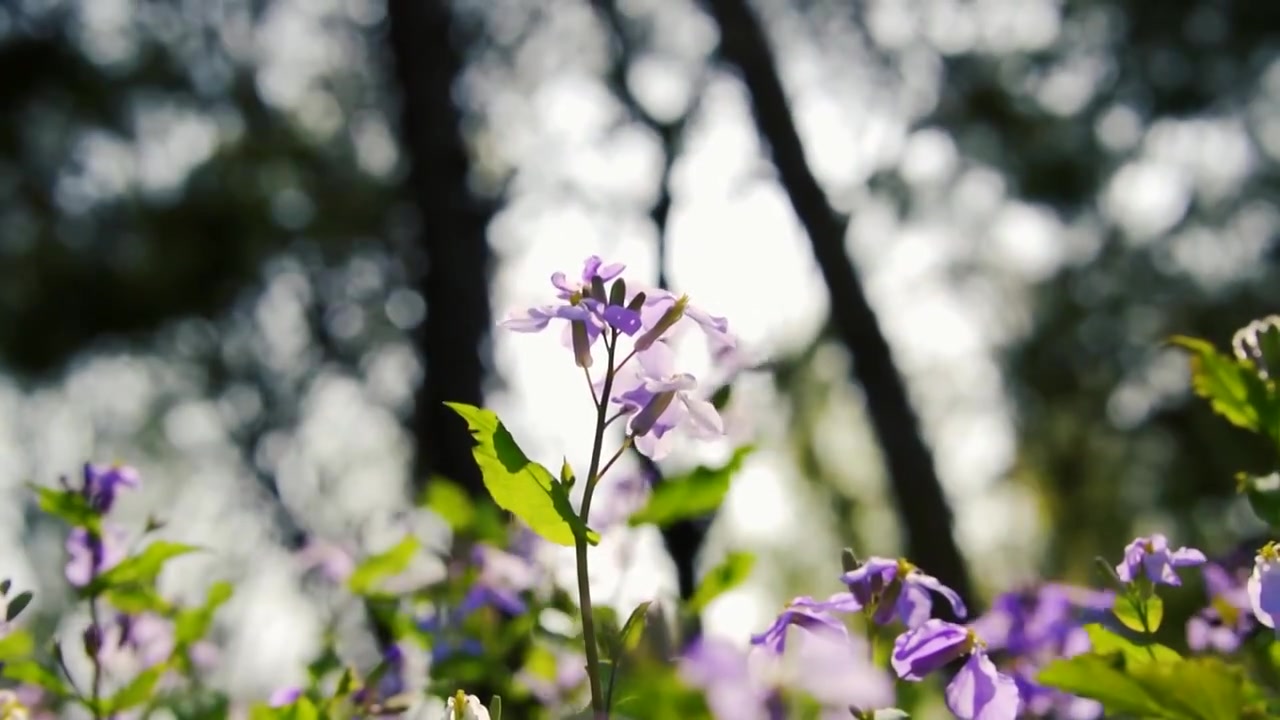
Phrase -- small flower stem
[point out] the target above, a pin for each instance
(96, 683)
(599, 705)
(623, 448)
(591, 386)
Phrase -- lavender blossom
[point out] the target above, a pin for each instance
(660, 400)
(665, 315)
(1153, 558)
(92, 554)
(805, 612)
(103, 482)
(898, 588)
(1227, 620)
(578, 306)
(978, 691)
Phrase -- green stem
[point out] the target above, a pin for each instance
(599, 706)
(96, 686)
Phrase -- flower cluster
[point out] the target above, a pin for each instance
(94, 550)
(644, 385)
(1026, 629)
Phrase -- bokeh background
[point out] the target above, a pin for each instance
(249, 246)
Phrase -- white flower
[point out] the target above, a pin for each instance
(465, 707)
(1264, 586)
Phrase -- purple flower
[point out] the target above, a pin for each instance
(829, 666)
(665, 315)
(978, 691)
(331, 560)
(898, 588)
(1152, 557)
(661, 400)
(1264, 586)
(149, 636)
(578, 305)
(103, 482)
(805, 612)
(1224, 623)
(91, 554)
(284, 697)
(566, 677)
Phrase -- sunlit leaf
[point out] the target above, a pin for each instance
(519, 485)
(377, 568)
(450, 502)
(694, 494)
(141, 569)
(1105, 642)
(730, 573)
(1152, 608)
(138, 691)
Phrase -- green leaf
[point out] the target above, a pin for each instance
(70, 506)
(495, 708)
(450, 502)
(30, 671)
(303, 709)
(1130, 617)
(17, 644)
(1232, 387)
(138, 691)
(1202, 688)
(141, 569)
(695, 494)
(137, 598)
(519, 485)
(633, 629)
(17, 605)
(193, 624)
(1264, 495)
(730, 573)
(1105, 642)
(377, 568)
(1103, 679)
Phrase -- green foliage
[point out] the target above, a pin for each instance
(70, 506)
(519, 485)
(131, 585)
(376, 569)
(1233, 387)
(1153, 681)
(137, 692)
(730, 573)
(1263, 493)
(697, 493)
(1140, 614)
(450, 502)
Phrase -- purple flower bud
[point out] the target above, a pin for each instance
(581, 344)
(103, 482)
(92, 640)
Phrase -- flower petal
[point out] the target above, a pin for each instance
(978, 692)
(930, 646)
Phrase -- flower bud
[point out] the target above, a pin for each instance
(1259, 343)
(644, 420)
(92, 640)
(581, 344)
(597, 290)
(849, 560)
(668, 319)
(637, 302)
(618, 293)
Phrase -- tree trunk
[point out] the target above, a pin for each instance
(916, 489)
(451, 265)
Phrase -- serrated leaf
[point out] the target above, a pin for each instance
(519, 485)
(1231, 386)
(730, 573)
(17, 605)
(694, 494)
(138, 691)
(448, 500)
(1128, 615)
(376, 568)
(1100, 678)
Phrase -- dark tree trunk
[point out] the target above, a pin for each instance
(452, 265)
(916, 488)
